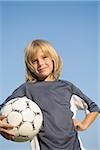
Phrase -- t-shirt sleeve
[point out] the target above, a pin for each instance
(19, 92)
(79, 101)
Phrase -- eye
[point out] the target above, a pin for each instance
(34, 61)
(45, 57)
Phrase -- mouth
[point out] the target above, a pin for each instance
(41, 70)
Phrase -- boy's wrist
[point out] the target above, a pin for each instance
(84, 125)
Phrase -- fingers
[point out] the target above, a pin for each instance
(8, 136)
(77, 124)
(3, 124)
(6, 126)
(2, 130)
(2, 117)
(77, 127)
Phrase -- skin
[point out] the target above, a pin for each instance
(4, 129)
(43, 68)
(88, 120)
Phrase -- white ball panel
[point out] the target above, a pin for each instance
(26, 129)
(28, 115)
(34, 107)
(11, 101)
(38, 121)
(19, 105)
(14, 118)
(6, 110)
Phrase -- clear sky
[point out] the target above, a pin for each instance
(73, 29)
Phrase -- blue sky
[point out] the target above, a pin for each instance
(73, 29)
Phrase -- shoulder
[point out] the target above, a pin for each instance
(68, 83)
(20, 87)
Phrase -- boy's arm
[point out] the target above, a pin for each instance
(88, 120)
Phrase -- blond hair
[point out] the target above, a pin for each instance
(30, 53)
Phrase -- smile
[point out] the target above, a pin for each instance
(42, 70)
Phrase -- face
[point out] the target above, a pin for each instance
(43, 66)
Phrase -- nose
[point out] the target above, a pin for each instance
(40, 62)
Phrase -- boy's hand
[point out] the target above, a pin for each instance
(4, 129)
(78, 125)
(87, 121)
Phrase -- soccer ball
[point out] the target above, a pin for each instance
(26, 117)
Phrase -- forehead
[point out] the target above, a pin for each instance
(38, 52)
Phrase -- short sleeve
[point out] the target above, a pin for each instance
(19, 92)
(79, 101)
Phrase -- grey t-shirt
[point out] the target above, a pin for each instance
(55, 100)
